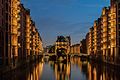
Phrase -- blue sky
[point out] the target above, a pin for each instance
(64, 17)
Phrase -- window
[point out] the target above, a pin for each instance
(119, 33)
(119, 5)
(2, 1)
(119, 19)
(6, 16)
(6, 26)
(0, 52)
(119, 12)
(113, 53)
(2, 22)
(119, 51)
(2, 11)
(119, 41)
(118, 26)
(6, 6)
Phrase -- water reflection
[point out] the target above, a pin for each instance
(62, 71)
(74, 70)
(35, 72)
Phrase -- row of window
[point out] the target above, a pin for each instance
(119, 41)
(119, 5)
(118, 26)
(118, 12)
(119, 22)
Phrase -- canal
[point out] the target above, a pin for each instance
(73, 70)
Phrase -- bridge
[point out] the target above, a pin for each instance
(54, 57)
(82, 55)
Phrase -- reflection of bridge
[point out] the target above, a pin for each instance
(80, 55)
(71, 55)
(55, 57)
(49, 54)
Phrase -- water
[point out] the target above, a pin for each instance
(74, 70)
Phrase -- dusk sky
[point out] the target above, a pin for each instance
(64, 17)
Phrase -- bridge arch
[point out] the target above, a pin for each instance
(61, 51)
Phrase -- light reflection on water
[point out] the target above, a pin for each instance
(74, 70)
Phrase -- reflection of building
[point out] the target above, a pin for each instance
(101, 72)
(63, 43)
(104, 35)
(35, 72)
(62, 71)
(75, 49)
(92, 73)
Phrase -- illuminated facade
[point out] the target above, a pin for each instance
(15, 25)
(63, 43)
(15, 33)
(83, 46)
(3, 31)
(75, 49)
(32, 44)
(40, 45)
(104, 35)
(97, 37)
(27, 34)
(118, 31)
(105, 30)
(109, 22)
(91, 41)
(35, 41)
(9, 18)
(21, 38)
(87, 43)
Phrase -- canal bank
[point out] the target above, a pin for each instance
(101, 60)
(16, 65)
